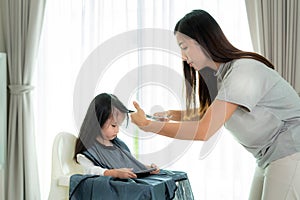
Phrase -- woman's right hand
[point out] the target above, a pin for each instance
(139, 117)
(164, 116)
(122, 173)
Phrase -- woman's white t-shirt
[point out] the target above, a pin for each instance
(267, 121)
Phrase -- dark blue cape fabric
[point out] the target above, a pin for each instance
(116, 141)
(154, 187)
(160, 186)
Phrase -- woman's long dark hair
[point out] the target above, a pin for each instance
(202, 27)
(102, 106)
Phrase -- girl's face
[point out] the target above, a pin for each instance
(111, 127)
(192, 53)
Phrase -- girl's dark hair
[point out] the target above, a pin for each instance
(103, 105)
(202, 27)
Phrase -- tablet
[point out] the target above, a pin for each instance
(143, 173)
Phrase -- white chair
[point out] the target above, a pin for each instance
(63, 165)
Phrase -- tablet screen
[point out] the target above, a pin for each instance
(143, 173)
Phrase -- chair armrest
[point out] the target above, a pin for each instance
(64, 180)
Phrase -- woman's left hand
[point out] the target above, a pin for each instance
(139, 117)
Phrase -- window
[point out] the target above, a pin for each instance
(74, 30)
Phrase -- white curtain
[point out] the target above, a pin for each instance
(77, 31)
(22, 22)
(275, 32)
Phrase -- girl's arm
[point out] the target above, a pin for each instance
(88, 165)
(216, 115)
(90, 168)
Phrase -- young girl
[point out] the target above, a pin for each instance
(98, 148)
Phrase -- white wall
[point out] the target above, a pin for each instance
(297, 71)
(1, 36)
(3, 113)
(3, 109)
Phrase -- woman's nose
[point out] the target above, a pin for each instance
(184, 57)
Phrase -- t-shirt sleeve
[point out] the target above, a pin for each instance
(246, 83)
(88, 166)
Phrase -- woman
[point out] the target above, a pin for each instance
(253, 102)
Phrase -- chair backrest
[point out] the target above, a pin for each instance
(62, 155)
(63, 165)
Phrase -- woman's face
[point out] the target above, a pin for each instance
(110, 128)
(192, 52)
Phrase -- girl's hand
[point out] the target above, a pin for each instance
(139, 117)
(122, 173)
(157, 169)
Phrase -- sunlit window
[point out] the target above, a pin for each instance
(75, 30)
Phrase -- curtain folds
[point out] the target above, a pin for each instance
(275, 33)
(22, 22)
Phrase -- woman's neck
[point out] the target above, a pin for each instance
(216, 66)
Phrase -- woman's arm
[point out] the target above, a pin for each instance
(216, 115)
